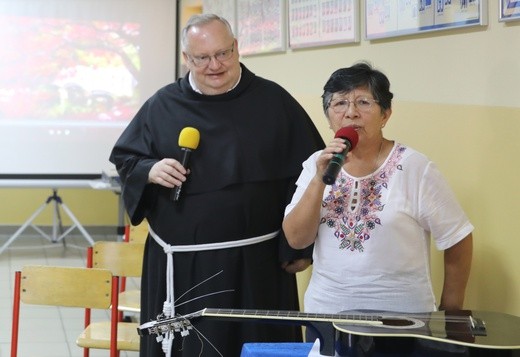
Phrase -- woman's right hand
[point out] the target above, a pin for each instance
(336, 146)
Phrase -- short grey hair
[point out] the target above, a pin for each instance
(199, 20)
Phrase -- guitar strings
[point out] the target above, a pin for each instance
(440, 318)
(205, 295)
(427, 316)
(197, 285)
(198, 333)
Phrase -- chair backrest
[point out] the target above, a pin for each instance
(66, 286)
(122, 259)
(138, 234)
(87, 288)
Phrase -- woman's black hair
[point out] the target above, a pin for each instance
(360, 75)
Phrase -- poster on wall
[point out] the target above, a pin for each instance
(226, 9)
(322, 22)
(389, 18)
(509, 10)
(261, 26)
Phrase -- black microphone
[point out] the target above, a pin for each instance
(188, 141)
(351, 138)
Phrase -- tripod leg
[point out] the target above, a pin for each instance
(57, 226)
(77, 224)
(23, 227)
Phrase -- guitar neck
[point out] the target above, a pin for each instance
(294, 316)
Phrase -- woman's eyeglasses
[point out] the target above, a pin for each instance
(362, 104)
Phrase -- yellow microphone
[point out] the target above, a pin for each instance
(188, 141)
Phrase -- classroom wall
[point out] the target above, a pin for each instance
(456, 100)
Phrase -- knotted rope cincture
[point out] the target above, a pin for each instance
(169, 303)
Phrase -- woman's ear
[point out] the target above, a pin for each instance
(385, 116)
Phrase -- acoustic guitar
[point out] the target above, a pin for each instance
(474, 329)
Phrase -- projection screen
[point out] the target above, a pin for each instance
(73, 73)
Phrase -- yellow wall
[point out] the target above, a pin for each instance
(90, 207)
(456, 100)
(477, 149)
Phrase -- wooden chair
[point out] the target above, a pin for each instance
(75, 287)
(124, 260)
(138, 234)
(130, 300)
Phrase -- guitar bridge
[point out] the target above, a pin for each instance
(478, 326)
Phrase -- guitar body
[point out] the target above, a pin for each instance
(352, 345)
(431, 334)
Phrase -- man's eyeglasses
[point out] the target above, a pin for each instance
(221, 56)
(362, 104)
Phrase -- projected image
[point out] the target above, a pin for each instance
(67, 70)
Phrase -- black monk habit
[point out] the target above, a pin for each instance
(253, 140)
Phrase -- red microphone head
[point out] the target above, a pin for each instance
(348, 133)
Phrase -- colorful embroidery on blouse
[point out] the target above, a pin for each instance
(352, 206)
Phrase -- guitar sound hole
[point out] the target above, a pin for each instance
(396, 322)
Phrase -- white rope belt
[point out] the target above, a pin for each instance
(169, 304)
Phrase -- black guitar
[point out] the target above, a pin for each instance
(474, 329)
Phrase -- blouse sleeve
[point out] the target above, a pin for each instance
(306, 175)
(439, 210)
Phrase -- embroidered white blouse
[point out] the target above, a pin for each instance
(373, 245)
